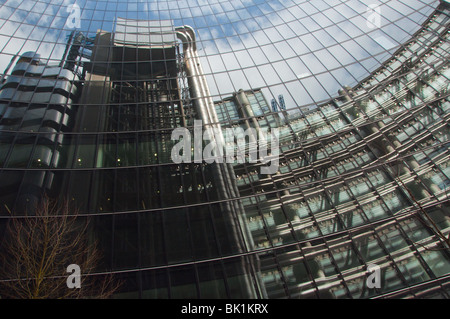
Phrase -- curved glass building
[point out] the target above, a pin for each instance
(237, 149)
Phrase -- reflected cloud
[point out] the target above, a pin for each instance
(275, 42)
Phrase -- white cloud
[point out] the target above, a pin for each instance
(269, 44)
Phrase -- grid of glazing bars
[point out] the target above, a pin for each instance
(363, 177)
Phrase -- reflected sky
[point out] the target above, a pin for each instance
(305, 50)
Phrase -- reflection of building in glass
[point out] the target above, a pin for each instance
(249, 108)
(363, 178)
(113, 160)
(36, 106)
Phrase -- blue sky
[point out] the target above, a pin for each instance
(283, 46)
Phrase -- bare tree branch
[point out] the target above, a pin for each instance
(37, 249)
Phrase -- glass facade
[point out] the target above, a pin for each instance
(358, 92)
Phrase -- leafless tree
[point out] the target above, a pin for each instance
(37, 249)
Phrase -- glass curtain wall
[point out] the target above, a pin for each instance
(356, 94)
